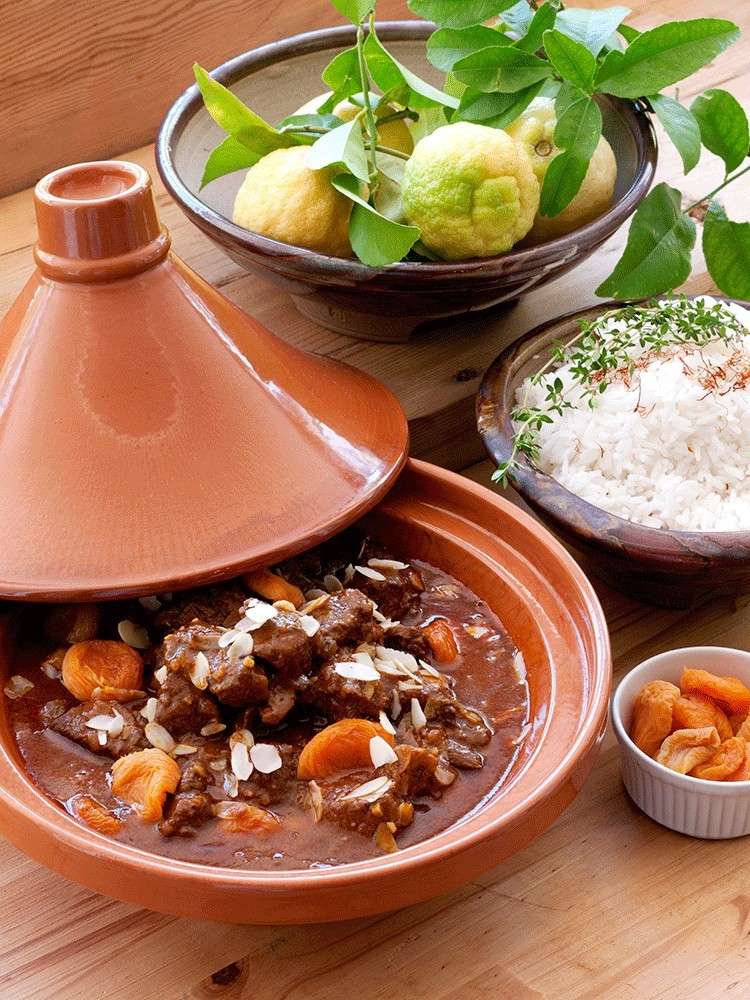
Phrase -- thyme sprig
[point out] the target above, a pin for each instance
(608, 345)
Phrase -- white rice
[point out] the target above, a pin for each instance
(665, 451)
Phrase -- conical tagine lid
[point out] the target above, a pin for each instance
(152, 435)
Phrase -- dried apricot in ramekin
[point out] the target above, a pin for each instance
(652, 715)
(144, 779)
(95, 815)
(686, 748)
(273, 587)
(724, 762)
(342, 746)
(101, 663)
(442, 641)
(695, 711)
(730, 692)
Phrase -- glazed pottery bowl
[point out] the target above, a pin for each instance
(658, 566)
(554, 618)
(345, 295)
(715, 810)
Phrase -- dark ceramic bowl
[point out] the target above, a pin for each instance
(667, 568)
(345, 295)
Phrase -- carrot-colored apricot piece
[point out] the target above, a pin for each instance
(730, 692)
(442, 640)
(687, 748)
(342, 746)
(736, 720)
(241, 817)
(652, 715)
(743, 771)
(727, 758)
(695, 711)
(144, 779)
(95, 815)
(273, 587)
(101, 663)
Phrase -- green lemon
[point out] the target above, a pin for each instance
(471, 190)
(283, 199)
(394, 135)
(535, 130)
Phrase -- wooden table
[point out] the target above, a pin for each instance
(605, 904)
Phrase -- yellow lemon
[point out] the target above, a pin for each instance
(471, 190)
(395, 134)
(535, 130)
(283, 199)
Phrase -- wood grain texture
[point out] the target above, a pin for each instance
(606, 905)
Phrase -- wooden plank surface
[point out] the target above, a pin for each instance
(605, 905)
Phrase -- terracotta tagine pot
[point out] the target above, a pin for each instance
(152, 434)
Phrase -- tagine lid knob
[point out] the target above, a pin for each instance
(153, 435)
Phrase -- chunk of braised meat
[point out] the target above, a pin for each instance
(346, 620)
(338, 697)
(181, 708)
(234, 680)
(452, 728)
(191, 806)
(72, 723)
(265, 789)
(219, 605)
(308, 570)
(281, 701)
(410, 639)
(284, 644)
(397, 595)
(420, 771)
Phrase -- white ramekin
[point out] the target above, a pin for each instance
(711, 809)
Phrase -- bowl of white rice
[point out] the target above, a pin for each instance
(637, 428)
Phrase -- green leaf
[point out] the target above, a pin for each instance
(228, 156)
(320, 121)
(459, 13)
(723, 126)
(343, 145)
(495, 110)
(628, 33)
(429, 119)
(681, 127)
(660, 57)
(726, 246)
(571, 59)
(518, 18)
(355, 10)
(592, 28)
(544, 18)
(390, 75)
(447, 45)
(503, 68)
(376, 240)
(657, 254)
(341, 75)
(228, 111)
(577, 133)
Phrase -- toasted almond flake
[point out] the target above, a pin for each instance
(310, 626)
(242, 736)
(427, 668)
(231, 787)
(354, 671)
(17, 686)
(149, 710)
(371, 574)
(259, 613)
(158, 737)
(242, 766)
(228, 637)
(118, 724)
(212, 728)
(348, 573)
(284, 606)
(315, 594)
(386, 723)
(184, 750)
(315, 603)
(418, 718)
(444, 775)
(384, 838)
(315, 800)
(242, 646)
(381, 752)
(378, 616)
(409, 687)
(332, 583)
(519, 665)
(387, 564)
(200, 671)
(388, 667)
(371, 790)
(405, 660)
(102, 737)
(265, 757)
(50, 671)
(395, 704)
(100, 722)
(150, 603)
(160, 675)
(389, 623)
(132, 634)
(362, 656)
(476, 631)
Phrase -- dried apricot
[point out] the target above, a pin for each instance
(687, 748)
(652, 715)
(144, 779)
(694, 711)
(736, 720)
(744, 729)
(72, 622)
(101, 663)
(724, 762)
(94, 814)
(730, 692)
(241, 817)
(743, 771)
(342, 746)
(273, 587)
(442, 641)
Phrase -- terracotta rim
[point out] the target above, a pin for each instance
(69, 835)
(322, 266)
(566, 509)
